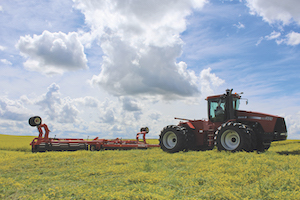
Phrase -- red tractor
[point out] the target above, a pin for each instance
(227, 127)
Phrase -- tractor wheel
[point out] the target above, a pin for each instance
(233, 136)
(172, 139)
(263, 146)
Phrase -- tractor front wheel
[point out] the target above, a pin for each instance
(172, 139)
(234, 137)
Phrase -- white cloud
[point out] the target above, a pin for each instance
(89, 116)
(239, 25)
(50, 101)
(141, 42)
(6, 62)
(108, 117)
(2, 48)
(1, 9)
(209, 81)
(52, 53)
(130, 104)
(276, 12)
(293, 38)
(259, 41)
(63, 110)
(273, 35)
(13, 110)
(273, 11)
(293, 125)
(154, 115)
(68, 113)
(88, 101)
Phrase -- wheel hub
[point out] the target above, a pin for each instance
(170, 140)
(230, 140)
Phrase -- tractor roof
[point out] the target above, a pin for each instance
(235, 95)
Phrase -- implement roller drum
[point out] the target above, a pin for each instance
(144, 129)
(59, 147)
(35, 121)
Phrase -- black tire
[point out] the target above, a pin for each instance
(34, 149)
(233, 136)
(263, 146)
(172, 139)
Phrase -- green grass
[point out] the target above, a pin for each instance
(152, 174)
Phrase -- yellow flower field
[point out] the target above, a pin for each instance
(15, 143)
(149, 174)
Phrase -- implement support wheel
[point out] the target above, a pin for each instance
(93, 148)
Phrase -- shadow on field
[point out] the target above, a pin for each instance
(285, 143)
(296, 152)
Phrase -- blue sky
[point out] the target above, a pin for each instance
(106, 68)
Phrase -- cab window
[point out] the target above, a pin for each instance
(236, 103)
(216, 110)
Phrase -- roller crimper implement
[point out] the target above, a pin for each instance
(43, 143)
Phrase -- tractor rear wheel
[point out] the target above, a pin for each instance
(263, 146)
(234, 136)
(172, 139)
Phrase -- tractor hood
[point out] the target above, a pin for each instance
(241, 114)
(270, 123)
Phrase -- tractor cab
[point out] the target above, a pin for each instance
(223, 107)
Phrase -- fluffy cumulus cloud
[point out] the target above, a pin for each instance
(293, 38)
(85, 115)
(52, 53)
(130, 104)
(141, 42)
(293, 125)
(62, 110)
(13, 109)
(274, 11)
(50, 101)
(209, 81)
(278, 12)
